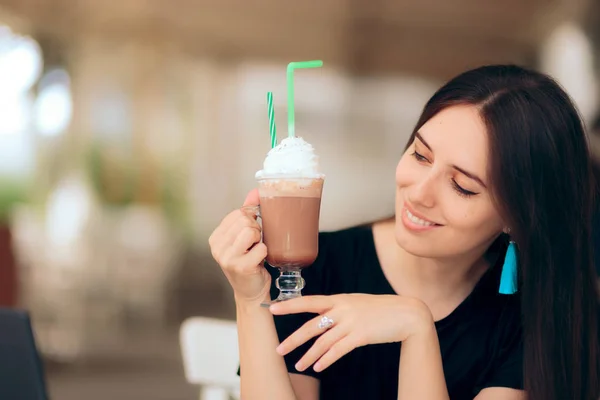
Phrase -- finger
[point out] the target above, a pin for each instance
(252, 199)
(311, 304)
(221, 244)
(257, 255)
(246, 238)
(237, 227)
(251, 211)
(320, 347)
(226, 223)
(303, 334)
(335, 352)
(247, 264)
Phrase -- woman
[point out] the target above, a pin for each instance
(498, 156)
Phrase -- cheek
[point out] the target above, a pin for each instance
(405, 173)
(473, 216)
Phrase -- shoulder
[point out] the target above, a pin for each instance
(502, 310)
(494, 319)
(500, 321)
(504, 355)
(489, 328)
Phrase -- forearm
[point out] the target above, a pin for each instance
(263, 372)
(421, 375)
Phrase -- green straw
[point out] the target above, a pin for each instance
(272, 127)
(290, 89)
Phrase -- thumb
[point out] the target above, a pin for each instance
(252, 198)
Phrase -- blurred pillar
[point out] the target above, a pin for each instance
(591, 23)
(568, 49)
(362, 35)
(567, 55)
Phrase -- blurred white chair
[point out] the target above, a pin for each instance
(210, 357)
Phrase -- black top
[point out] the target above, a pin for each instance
(596, 218)
(480, 341)
(596, 240)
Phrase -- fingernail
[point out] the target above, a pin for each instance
(317, 367)
(299, 367)
(279, 349)
(273, 308)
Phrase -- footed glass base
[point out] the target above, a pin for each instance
(290, 284)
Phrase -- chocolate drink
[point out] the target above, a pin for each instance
(291, 230)
(290, 188)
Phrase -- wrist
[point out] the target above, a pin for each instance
(245, 304)
(422, 323)
(424, 332)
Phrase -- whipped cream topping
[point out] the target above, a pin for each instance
(292, 157)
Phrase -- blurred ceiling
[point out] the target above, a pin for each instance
(436, 38)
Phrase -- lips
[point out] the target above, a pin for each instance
(418, 219)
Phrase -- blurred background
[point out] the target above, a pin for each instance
(129, 128)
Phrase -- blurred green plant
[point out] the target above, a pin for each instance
(121, 180)
(115, 192)
(12, 192)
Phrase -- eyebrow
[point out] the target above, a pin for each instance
(418, 136)
(462, 171)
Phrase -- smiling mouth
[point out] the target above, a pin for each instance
(418, 221)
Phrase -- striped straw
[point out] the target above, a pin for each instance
(272, 127)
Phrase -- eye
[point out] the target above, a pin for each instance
(419, 157)
(461, 191)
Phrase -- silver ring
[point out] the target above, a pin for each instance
(325, 322)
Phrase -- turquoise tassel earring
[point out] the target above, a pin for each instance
(508, 279)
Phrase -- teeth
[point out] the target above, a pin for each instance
(418, 220)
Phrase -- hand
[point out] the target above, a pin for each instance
(235, 244)
(359, 319)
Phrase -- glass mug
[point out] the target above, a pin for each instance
(289, 214)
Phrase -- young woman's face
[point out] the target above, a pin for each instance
(443, 203)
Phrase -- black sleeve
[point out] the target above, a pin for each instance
(316, 283)
(507, 370)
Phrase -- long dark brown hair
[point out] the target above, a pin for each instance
(541, 182)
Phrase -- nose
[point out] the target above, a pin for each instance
(423, 193)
